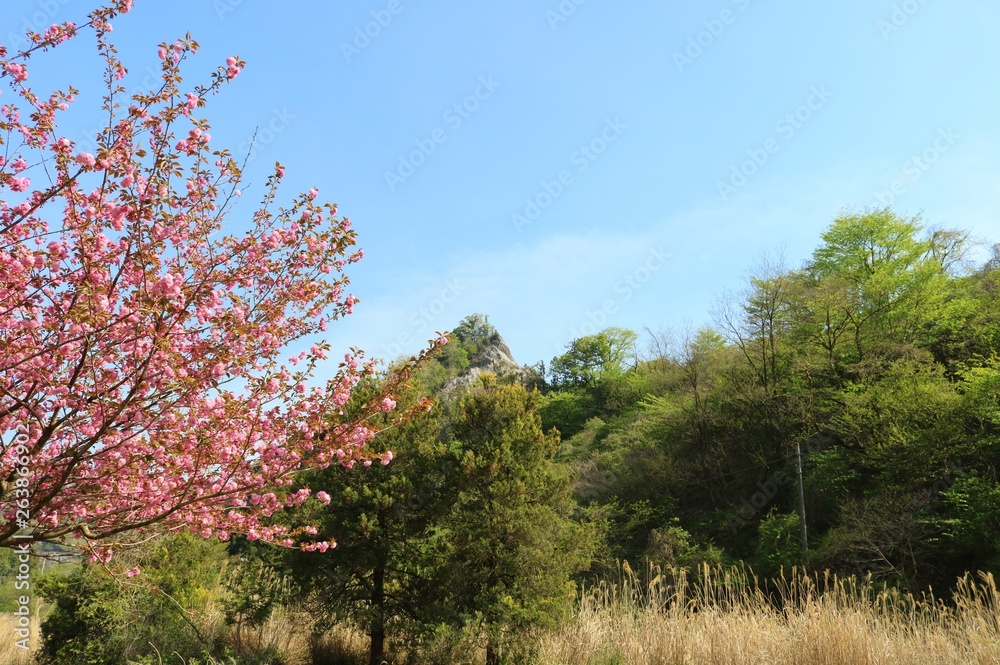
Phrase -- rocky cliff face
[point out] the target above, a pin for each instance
(494, 359)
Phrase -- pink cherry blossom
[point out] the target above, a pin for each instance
(153, 326)
(85, 159)
(233, 67)
(18, 71)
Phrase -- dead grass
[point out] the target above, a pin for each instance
(289, 633)
(341, 645)
(285, 632)
(722, 618)
(711, 617)
(10, 653)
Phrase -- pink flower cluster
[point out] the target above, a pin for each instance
(154, 340)
(86, 160)
(57, 34)
(18, 71)
(233, 67)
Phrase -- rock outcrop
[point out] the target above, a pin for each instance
(495, 359)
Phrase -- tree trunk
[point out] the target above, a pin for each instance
(492, 656)
(378, 619)
(378, 644)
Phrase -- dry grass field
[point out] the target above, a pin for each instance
(721, 619)
(712, 618)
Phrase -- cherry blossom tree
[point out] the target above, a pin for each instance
(146, 376)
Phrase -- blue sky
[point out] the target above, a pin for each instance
(562, 166)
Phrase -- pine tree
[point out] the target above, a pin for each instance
(383, 519)
(512, 543)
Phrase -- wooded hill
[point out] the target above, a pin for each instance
(877, 358)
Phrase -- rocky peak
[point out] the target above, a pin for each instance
(495, 358)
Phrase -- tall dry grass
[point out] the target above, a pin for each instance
(709, 617)
(10, 653)
(717, 617)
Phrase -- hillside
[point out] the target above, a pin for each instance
(878, 359)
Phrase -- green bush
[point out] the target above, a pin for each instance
(100, 619)
(779, 545)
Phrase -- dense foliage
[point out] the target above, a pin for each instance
(877, 358)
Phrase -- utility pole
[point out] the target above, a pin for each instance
(802, 501)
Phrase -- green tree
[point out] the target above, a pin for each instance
(384, 519)
(972, 524)
(475, 333)
(757, 322)
(594, 358)
(778, 544)
(888, 276)
(567, 410)
(512, 543)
